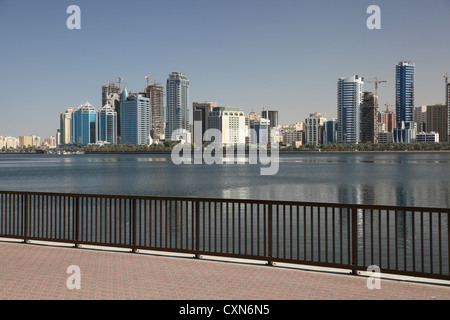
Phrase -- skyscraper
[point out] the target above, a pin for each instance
(84, 124)
(350, 98)
(230, 121)
(447, 100)
(314, 128)
(201, 113)
(271, 115)
(107, 124)
(66, 126)
(437, 121)
(111, 96)
(135, 118)
(404, 102)
(155, 93)
(177, 115)
(369, 118)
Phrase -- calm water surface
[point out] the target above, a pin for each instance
(412, 179)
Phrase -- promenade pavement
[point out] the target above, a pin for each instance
(38, 271)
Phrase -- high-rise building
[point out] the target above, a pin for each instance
(350, 98)
(230, 121)
(404, 102)
(369, 118)
(388, 118)
(107, 124)
(58, 137)
(420, 117)
(84, 124)
(437, 120)
(66, 126)
(177, 115)
(135, 118)
(260, 131)
(201, 113)
(271, 115)
(111, 95)
(155, 93)
(25, 141)
(330, 131)
(314, 128)
(447, 100)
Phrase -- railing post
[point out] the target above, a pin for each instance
(25, 220)
(76, 221)
(270, 230)
(197, 229)
(354, 240)
(133, 250)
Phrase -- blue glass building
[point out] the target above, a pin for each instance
(350, 98)
(84, 124)
(107, 124)
(177, 115)
(134, 118)
(404, 102)
(330, 131)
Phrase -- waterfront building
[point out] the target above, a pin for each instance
(293, 137)
(388, 118)
(201, 113)
(25, 141)
(437, 120)
(314, 128)
(230, 121)
(111, 95)
(424, 137)
(66, 126)
(155, 93)
(404, 102)
(107, 124)
(420, 117)
(447, 99)
(36, 141)
(50, 142)
(385, 137)
(58, 137)
(135, 118)
(260, 131)
(177, 115)
(369, 118)
(84, 124)
(330, 131)
(350, 99)
(271, 115)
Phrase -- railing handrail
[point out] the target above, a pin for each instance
(229, 200)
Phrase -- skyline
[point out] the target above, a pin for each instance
(286, 56)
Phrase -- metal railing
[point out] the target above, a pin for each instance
(399, 240)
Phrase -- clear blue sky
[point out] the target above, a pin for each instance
(286, 55)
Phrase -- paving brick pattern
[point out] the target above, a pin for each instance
(38, 272)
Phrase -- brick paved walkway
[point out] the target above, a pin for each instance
(38, 272)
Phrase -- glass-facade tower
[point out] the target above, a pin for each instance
(134, 118)
(350, 98)
(84, 120)
(404, 102)
(177, 115)
(107, 124)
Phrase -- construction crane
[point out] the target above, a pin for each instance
(376, 81)
(154, 81)
(388, 105)
(120, 81)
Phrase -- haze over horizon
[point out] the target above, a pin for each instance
(285, 55)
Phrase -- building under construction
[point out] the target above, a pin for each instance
(369, 118)
(155, 93)
(111, 96)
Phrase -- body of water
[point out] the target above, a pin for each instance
(411, 179)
